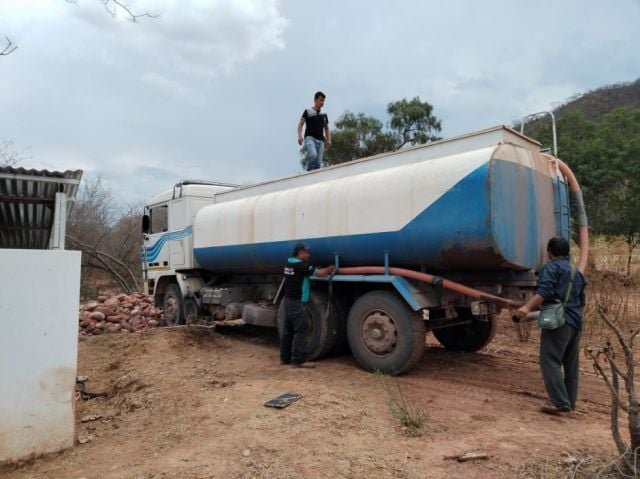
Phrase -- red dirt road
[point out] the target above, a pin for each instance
(189, 404)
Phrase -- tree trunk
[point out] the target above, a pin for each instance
(615, 410)
(634, 431)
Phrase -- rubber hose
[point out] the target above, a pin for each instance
(583, 226)
(431, 279)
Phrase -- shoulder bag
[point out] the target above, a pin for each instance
(552, 314)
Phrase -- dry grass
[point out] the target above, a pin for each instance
(411, 418)
(609, 286)
(574, 466)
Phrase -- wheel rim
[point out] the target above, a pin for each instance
(379, 333)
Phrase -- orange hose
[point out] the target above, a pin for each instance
(431, 279)
(583, 229)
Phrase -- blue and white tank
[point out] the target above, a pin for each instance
(482, 202)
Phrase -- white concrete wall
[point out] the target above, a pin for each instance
(39, 295)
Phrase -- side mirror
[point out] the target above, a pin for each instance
(145, 224)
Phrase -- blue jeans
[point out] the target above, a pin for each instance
(315, 150)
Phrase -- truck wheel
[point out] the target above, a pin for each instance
(172, 306)
(467, 337)
(384, 334)
(322, 333)
(190, 311)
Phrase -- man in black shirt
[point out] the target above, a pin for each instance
(296, 293)
(314, 139)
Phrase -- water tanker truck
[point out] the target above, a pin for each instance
(438, 237)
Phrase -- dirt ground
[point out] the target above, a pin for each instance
(189, 404)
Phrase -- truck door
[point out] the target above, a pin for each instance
(155, 254)
(177, 223)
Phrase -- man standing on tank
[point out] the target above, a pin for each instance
(559, 348)
(315, 131)
(296, 293)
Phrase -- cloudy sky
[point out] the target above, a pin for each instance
(213, 89)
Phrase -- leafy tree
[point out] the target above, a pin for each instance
(625, 219)
(621, 131)
(413, 122)
(604, 154)
(357, 135)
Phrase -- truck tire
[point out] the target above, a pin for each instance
(322, 333)
(190, 311)
(172, 306)
(384, 334)
(467, 337)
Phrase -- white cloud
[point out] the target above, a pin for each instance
(173, 88)
(203, 37)
(213, 89)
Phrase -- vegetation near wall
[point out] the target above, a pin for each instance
(109, 237)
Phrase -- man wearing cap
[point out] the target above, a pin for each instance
(296, 293)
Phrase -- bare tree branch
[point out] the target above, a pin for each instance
(103, 266)
(608, 381)
(615, 428)
(628, 353)
(9, 155)
(617, 373)
(99, 255)
(133, 17)
(112, 7)
(10, 48)
(629, 454)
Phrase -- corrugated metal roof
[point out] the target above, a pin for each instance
(27, 201)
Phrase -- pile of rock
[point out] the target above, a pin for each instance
(119, 313)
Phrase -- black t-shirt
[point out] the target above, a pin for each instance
(296, 279)
(316, 121)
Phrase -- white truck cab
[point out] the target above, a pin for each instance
(167, 253)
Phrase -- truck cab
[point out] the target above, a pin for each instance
(167, 253)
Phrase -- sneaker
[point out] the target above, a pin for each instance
(306, 364)
(554, 410)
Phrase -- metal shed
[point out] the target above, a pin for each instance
(39, 296)
(33, 206)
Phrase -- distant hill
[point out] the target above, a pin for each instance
(595, 103)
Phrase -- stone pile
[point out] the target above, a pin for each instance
(119, 313)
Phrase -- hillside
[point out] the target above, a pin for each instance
(595, 103)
